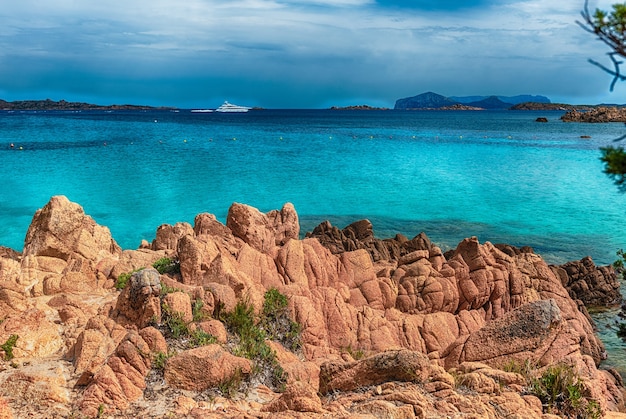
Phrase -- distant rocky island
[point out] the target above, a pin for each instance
(62, 105)
(599, 114)
(574, 113)
(357, 108)
(434, 101)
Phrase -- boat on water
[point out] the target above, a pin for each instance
(229, 107)
(201, 110)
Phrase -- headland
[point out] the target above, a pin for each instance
(245, 319)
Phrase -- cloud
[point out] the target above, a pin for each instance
(294, 53)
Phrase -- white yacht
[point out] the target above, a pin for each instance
(229, 107)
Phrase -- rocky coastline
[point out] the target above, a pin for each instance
(596, 115)
(63, 105)
(245, 319)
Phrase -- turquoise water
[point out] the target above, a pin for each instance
(496, 175)
(499, 176)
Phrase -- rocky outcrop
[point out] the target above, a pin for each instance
(599, 114)
(389, 328)
(428, 100)
(593, 285)
(206, 367)
(63, 250)
(360, 235)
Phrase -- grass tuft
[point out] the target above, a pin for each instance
(8, 346)
(167, 266)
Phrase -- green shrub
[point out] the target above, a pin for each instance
(201, 338)
(167, 266)
(620, 264)
(229, 387)
(526, 369)
(276, 322)
(122, 280)
(252, 345)
(160, 360)
(165, 289)
(274, 303)
(562, 392)
(196, 310)
(175, 323)
(7, 347)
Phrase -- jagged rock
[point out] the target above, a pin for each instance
(5, 410)
(360, 235)
(263, 231)
(599, 114)
(526, 333)
(205, 367)
(154, 339)
(139, 301)
(167, 236)
(38, 336)
(12, 299)
(296, 369)
(179, 304)
(393, 365)
(63, 245)
(402, 304)
(593, 285)
(121, 380)
(214, 328)
(129, 261)
(94, 345)
(298, 397)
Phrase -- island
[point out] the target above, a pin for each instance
(63, 105)
(358, 108)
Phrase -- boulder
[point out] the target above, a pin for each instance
(205, 367)
(139, 301)
(63, 244)
(393, 365)
(298, 397)
(263, 231)
(167, 236)
(593, 285)
(526, 333)
(178, 304)
(38, 337)
(121, 380)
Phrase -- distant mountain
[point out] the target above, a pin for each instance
(514, 100)
(428, 100)
(492, 102)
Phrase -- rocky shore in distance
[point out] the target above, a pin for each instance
(599, 114)
(338, 324)
(358, 108)
(62, 105)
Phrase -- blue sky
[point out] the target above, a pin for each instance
(297, 53)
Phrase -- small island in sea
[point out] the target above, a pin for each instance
(63, 105)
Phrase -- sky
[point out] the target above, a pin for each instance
(298, 53)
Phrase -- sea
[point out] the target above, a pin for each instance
(497, 175)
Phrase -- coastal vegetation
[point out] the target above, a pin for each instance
(8, 346)
(609, 28)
